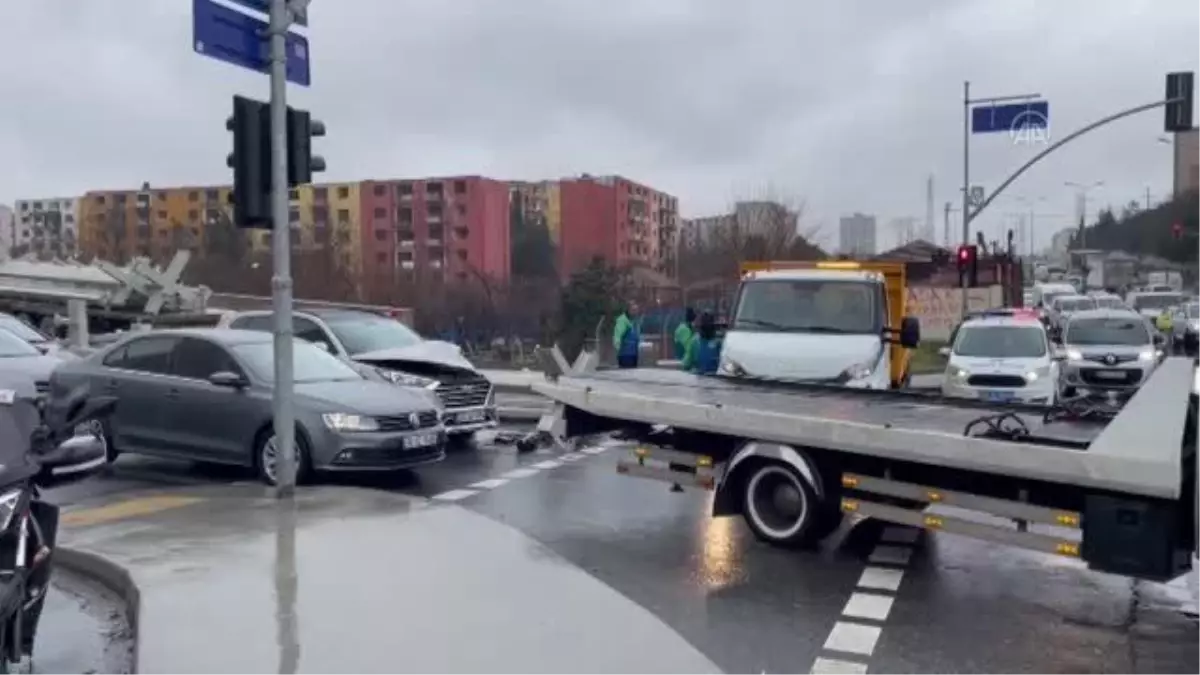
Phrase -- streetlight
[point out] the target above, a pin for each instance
(1081, 192)
(1030, 202)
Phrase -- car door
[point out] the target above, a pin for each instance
(138, 374)
(208, 422)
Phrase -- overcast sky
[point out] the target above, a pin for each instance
(845, 105)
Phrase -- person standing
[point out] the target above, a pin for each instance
(683, 332)
(703, 354)
(627, 337)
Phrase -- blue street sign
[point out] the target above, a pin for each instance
(264, 7)
(1011, 117)
(230, 36)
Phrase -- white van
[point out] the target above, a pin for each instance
(1044, 292)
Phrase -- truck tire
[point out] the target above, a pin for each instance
(783, 510)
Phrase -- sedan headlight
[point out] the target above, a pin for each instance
(349, 422)
(8, 507)
(406, 380)
(1148, 355)
(956, 373)
(1074, 355)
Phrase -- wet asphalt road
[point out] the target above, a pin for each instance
(957, 605)
(82, 630)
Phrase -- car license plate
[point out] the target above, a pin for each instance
(420, 441)
(472, 416)
(998, 396)
(1110, 374)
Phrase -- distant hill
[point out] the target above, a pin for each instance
(1148, 232)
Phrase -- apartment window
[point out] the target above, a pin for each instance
(321, 235)
(381, 257)
(380, 190)
(211, 195)
(99, 200)
(320, 194)
(161, 196)
(405, 256)
(120, 200)
(433, 191)
(380, 213)
(343, 216)
(70, 218)
(461, 253)
(163, 234)
(294, 237)
(193, 214)
(212, 215)
(320, 216)
(343, 192)
(405, 216)
(461, 209)
(162, 214)
(293, 195)
(195, 234)
(436, 231)
(193, 196)
(381, 235)
(460, 187)
(404, 190)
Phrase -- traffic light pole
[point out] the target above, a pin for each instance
(281, 280)
(966, 187)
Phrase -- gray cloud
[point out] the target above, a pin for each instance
(847, 105)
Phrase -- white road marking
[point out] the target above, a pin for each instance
(890, 555)
(594, 450)
(853, 638)
(519, 473)
(881, 578)
(546, 465)
(490, 484)
(838, 667)
(572, 457)
(900, 535)
(454, 495)
(868, 606)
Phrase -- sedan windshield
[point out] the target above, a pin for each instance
(364, 333)
(1156, 301)
(12, 346)
(1111, 331)
(21, 329)
(311, 363)
(1075, 304)
(810, 305)
(1001, 342)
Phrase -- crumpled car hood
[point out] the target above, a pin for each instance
(430, 351)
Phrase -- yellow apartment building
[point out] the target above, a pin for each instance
(323, 215)
(118, 224)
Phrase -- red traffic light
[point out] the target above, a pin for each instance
(966, 254)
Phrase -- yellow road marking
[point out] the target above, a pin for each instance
(130, 508)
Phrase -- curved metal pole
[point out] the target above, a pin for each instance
(968, 217)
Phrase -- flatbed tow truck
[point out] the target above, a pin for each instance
(1116, 489)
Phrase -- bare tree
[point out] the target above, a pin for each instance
(768, 227)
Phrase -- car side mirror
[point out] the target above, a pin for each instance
(944, 351)
(1159, 339)
(225, 378)
(910, 332)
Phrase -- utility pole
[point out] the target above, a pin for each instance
(946, 236)
(1081, 198)
(281, 280)
(966, 186)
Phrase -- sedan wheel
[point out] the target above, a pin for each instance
(267, 459)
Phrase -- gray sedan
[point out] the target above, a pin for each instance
(205, 395)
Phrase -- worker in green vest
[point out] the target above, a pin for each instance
(684, 332)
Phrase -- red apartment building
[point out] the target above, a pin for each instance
(435, 229)
(624, 222)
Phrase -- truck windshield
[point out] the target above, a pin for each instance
(810, 305)
(1001, 342)
(1161, 301)
(1112, 331)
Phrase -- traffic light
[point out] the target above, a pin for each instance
(968, 265)
(251, 162)
(1179, 113)
(301, 128)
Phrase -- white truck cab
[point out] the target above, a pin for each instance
(825, 322)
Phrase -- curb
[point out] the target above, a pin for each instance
(113, 577)
(521, 414)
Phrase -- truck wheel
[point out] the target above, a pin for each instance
(782, 509)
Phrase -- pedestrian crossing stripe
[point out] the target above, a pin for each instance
(130, 508)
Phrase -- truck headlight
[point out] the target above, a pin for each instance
(858, 371)
(1035, 375)
(1148, 355)
(405, 380)
(956, 373)
(349, 422)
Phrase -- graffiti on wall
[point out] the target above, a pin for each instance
(939, 309)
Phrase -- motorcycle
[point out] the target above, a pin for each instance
(39, 448)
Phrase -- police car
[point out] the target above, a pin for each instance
(1001, 357)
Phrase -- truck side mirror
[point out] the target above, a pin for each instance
(910, 332)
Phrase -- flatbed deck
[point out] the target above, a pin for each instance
(1138, 452)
